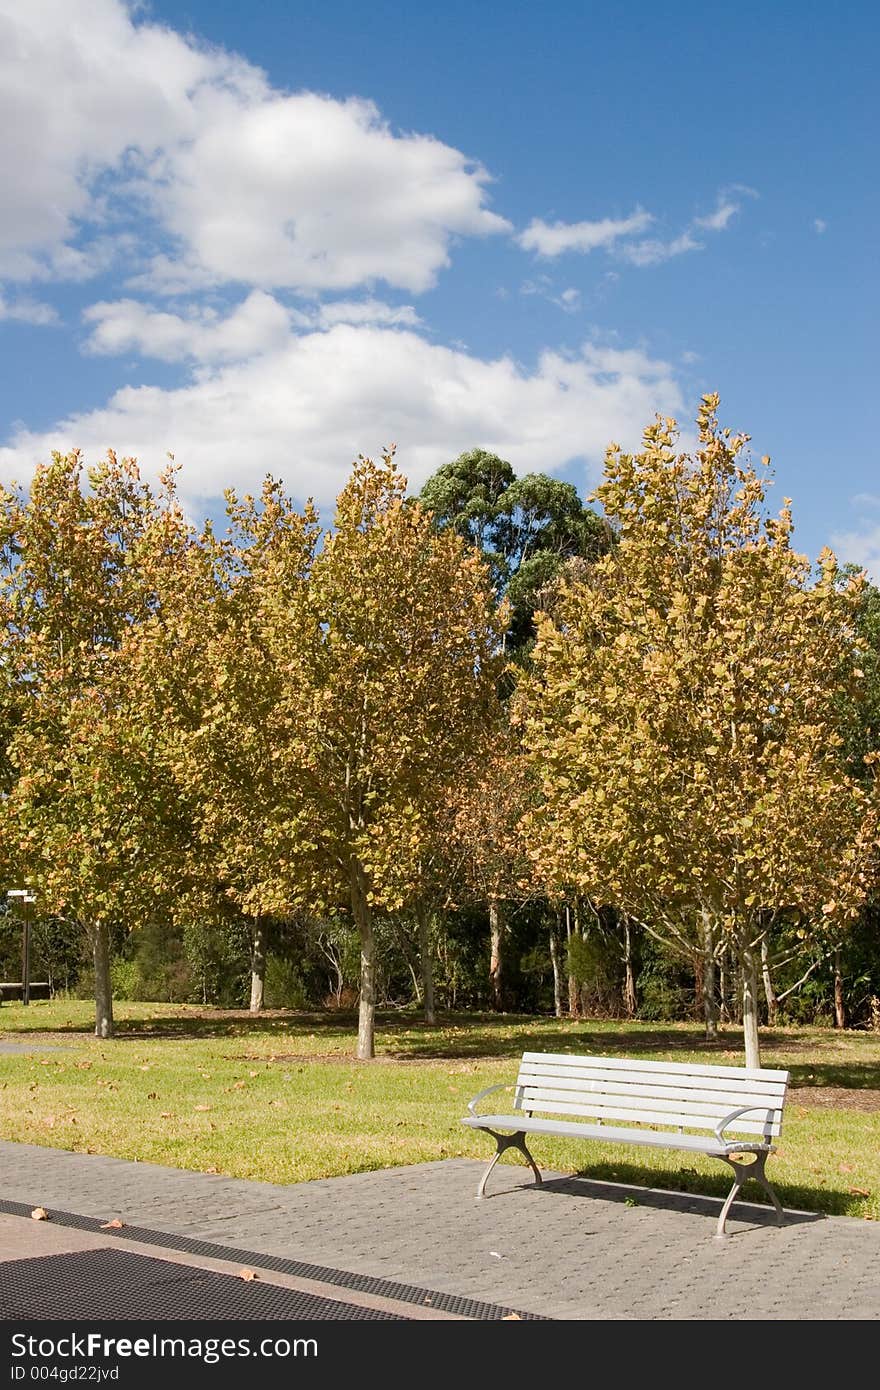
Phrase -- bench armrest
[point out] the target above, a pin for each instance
(501, 1086)
(734, 1115)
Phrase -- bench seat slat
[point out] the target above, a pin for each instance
(692, 1143)
(767, 1123)
(726, 1100)
(682, 1068)
(532, 1073)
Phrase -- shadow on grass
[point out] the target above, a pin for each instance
(403, 1036)
(204, 1025)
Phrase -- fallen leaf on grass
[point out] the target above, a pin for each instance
(40, 1214)
(114, 1225)
(212, 1170)
(166, 1114)
(203, 1107)
(858, 1192)
(846, 1168)
(247, 1275)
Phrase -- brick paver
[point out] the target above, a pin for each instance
(571, 1249)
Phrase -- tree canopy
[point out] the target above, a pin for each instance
(525, 527)
(683, 709)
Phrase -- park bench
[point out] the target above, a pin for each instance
(670, 1105)
(14, 989)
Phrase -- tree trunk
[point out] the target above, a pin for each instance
(630, 1002)
(573, 996)
(723, 1011)
(363, 918)
(557, 972)
(769, 991)
(750, 1004)
(103, 988)
(496, 931)
(710, 1008)
(258, 964)
(425, 961)
(736, 989)
(839, 1008)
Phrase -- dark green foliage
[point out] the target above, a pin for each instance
(526, 527)
(150, 963)
(665, 987)
(218, 958)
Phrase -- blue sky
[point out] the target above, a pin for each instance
(269, 237)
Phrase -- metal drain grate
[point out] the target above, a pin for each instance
(343, 1279)
(91, 1284)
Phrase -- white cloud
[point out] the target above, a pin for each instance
(309, 193)
(26, 310)
(819, 225)
(652, 251)
(553, 238)
(305, 410)
(77, 92)
(105, 118)
(257, 325)
(616, 235)
(859, 548)
(366, 311)
(569, 300)
(717, 221)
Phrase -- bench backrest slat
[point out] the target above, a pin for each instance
(653, 1093)
(582, 1075)
(570, 1059)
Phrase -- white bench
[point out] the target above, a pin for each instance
(659, 1103)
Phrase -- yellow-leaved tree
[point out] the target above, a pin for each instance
(237, 745)
(94, 564)
(389, 659)
(683, 712)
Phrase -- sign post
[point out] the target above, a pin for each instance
(26, 899)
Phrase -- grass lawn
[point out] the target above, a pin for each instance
(282, 1098)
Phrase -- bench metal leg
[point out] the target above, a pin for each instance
(742, 1172)
(503, 1142)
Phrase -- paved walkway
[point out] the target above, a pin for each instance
(571, 1249)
